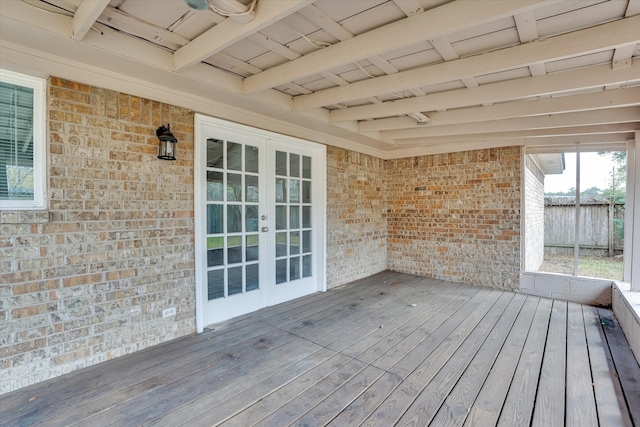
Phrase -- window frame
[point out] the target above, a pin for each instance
(631, 195)
(38, 85)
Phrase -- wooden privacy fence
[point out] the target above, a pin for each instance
(601, 226)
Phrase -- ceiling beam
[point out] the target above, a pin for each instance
(582, 42)
(409, 7)
(572, 130)
(318, 17)
(571, 147)
(582, 78)
(229, 31)
(25, 23)
(526, 25)
(583, 118)
(274, 46)
(444, 19)
(561, 104)
(119, 16)
(448, 53)
(321, 19)
(633, 8)
(85, 16)
(578, 139)
(402, 152)
(592, 142)
(444, 48)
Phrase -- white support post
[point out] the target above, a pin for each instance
(576, 240)
(632, 217)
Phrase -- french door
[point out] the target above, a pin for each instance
(260, 214)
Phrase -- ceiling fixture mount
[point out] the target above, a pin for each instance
(421, 119)
(197, 4)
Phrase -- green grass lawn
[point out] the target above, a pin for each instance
(232, 241)
(589, 266)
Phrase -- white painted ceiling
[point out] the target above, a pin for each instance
(364, 74)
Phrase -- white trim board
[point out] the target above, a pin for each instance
(626, 307)
(583, 290)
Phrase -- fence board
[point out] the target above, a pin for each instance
(596, 238)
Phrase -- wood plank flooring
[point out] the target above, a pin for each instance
(388, 350)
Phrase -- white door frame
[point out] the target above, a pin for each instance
(200, 201)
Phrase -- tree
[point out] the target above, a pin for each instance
(616, 192)
(593, 191)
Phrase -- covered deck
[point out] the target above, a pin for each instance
(391, 349)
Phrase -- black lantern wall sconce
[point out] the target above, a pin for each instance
(167, 143)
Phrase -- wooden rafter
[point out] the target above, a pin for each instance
(609, 116)
(603, 37)
(605, 129)
(138, 43)
(229, 31)
(424, 26)
(583, 78)
(526, 26)
(563, 104)
(85, 16)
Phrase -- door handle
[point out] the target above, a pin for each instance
(264, 229)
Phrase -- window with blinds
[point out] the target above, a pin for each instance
(21, 141)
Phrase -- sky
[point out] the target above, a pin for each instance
(595, 172)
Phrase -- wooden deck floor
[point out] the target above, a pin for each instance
(388, 350)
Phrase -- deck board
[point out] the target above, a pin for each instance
(121, 378)
(432, 397)
(383, 337)
(292, 410)
(401, 356)
(581, 405)
(236, 396)
(375, 316)
(391, 349)
(390, 322)
(488, 404)
(549, 407)
(611, 408)
(625, 364)
(420, 366)
(456, 406)
(525, 380)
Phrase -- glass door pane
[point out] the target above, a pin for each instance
(293, 200)
(602, 202)
(558, 211)
(233, 196)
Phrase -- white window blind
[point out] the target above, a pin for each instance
(21, 142)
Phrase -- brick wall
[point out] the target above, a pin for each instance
(534, 215)
(456, 216)
(356, 216)
(88, 279)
